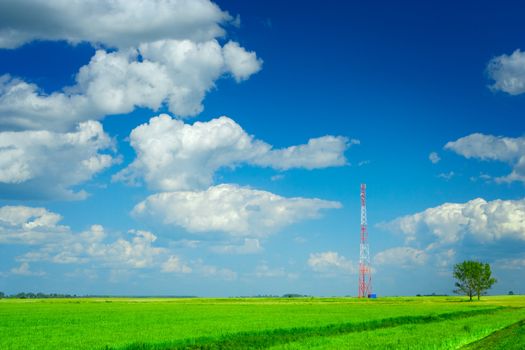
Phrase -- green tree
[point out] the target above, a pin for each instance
(473, 278)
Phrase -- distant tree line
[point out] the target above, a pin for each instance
(36, 296)
(288, 295)
(293, 295)
(24, 295)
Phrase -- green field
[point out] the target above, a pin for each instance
(312, 323)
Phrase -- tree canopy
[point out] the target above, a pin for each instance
(473, 278)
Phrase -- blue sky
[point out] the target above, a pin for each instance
(422, 102)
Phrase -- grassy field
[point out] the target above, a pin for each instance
(311, 323)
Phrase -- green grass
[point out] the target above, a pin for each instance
(441, 334)
(323, 323)
(509, 338)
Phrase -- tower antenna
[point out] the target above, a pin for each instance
(365, 277)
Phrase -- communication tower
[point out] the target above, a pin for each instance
(365, 277)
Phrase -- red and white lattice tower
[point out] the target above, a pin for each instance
(365, 277)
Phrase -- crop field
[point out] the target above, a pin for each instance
(257, 323)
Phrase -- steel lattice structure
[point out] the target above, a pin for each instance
(365, 277)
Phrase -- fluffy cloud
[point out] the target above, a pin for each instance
(434, 157)
(488, 147)
(92, 246)
(175, 264)
(330, 263)
(42, 164)
(239, 62)
(171, 58)
(137, 252)
(451, 232)
(108, 22)
(319, 152)
(193, 68)
(58, 244)
(172, 155)
(25, 270)
(173, 72)
(485, 221)
(401, 256)
(508, 73)
(28, 225)
(28, 217)
(249, 246)
(235, 210)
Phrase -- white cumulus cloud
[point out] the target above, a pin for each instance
(45, 164)
(508, 73)
(29, 225)
(192, 69)
(235, 210)
(59, 244)
(434, 157)
(136, 252)
(241, 63)
(94, 246)
(488, 147)
(172, 155)
(175, 264)
(118, 23)
(331, 263)
(169, 57)
(25, 270)
(401, 256)
(177, 73)
(485, 221)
